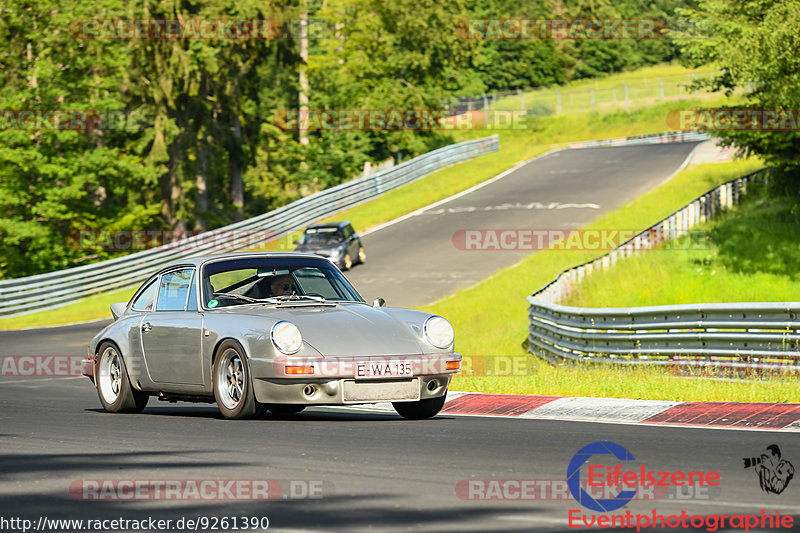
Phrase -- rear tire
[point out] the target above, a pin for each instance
(421, 409)
(233, 385)
(362, 257)
(113, 386)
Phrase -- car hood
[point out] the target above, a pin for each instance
(352, 329)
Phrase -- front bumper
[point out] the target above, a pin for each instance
(88, 367)
(340, 380)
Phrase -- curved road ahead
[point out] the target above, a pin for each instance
(414, 262)
(372, 471)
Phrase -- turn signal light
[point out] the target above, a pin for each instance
(299, 369)
(452, 365)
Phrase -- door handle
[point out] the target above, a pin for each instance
(147, 327)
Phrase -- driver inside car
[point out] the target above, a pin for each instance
(282, 285)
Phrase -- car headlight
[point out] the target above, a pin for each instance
(286, 337)
(337, 252)
(439, 332)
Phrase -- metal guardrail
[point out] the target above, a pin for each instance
(55, 289)
(736, 335)
(659, 138)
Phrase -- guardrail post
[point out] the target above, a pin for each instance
(627, 100)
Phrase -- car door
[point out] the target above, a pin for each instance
(172, 335)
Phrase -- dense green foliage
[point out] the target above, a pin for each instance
(757, 47)
(201, 144)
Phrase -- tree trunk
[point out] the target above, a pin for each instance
(237, 185)
(303, 97)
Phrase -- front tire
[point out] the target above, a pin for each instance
(421, 409)
(233, 385)
(347, 262)
(113, 386)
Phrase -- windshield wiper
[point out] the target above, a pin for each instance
(294, 297)
(237, 296)
(271, 299)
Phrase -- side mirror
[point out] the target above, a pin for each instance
(295, 242)
(378, 302)
(117, 309)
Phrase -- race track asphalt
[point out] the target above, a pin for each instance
(372, 471)
(415, 261)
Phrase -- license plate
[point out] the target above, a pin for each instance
(384, 369)
(380, 391)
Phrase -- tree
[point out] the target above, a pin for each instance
(756, 45)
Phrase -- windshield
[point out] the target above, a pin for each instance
(274, 280)
(321, 236)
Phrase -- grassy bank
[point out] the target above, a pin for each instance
(540, 135)
(491, 318)
(748, 255)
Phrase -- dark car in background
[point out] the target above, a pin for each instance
(337, 241)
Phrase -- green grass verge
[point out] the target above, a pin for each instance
(91, 308)
(644, 90)
(491, 319)
(749, 254)
(516, 146)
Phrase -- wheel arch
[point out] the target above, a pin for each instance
(215, 351)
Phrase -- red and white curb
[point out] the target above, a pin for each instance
(726, 415)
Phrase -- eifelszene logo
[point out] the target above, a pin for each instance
(622, 478)
(774, 473)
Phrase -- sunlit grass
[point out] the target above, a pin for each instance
(91, 308)
(636, 382)
(748, 255)
(491, 318)
(516, 146)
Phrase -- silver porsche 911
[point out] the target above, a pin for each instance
(276, 332)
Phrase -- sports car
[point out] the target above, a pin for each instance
(257, 332)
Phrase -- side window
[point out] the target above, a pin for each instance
(348, 231)
(192, 305)
(174, 290)
(144, 302)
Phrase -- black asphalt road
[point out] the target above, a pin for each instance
(371, 471)
(414, 262)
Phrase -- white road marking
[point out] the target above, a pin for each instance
(460, 194)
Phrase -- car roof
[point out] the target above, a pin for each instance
(198, 261)
(330, 224)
